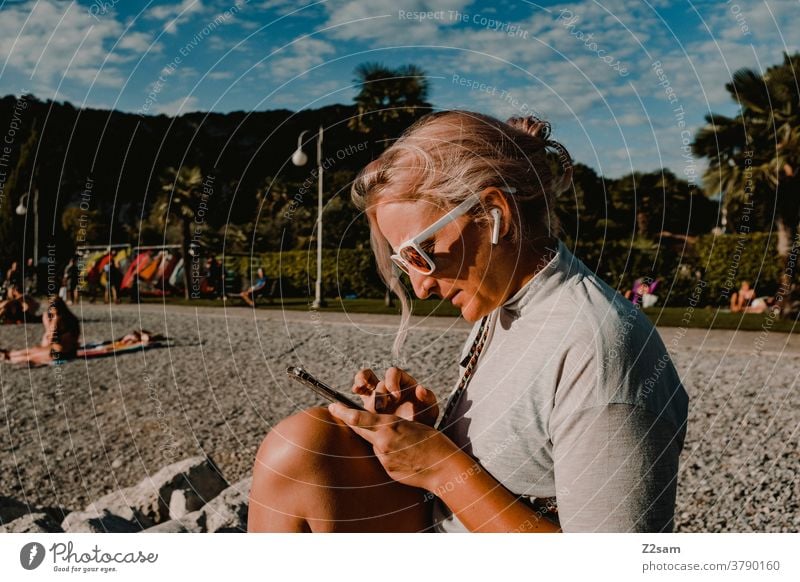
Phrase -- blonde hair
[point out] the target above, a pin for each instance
(446, 156)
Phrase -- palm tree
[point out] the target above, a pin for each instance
(181, 196)
(389, 101)
(757, 153)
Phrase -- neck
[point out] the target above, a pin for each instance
(531, 262)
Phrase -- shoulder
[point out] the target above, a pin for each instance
(619, 352)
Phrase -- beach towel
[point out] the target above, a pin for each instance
(136, 340)
(89, 274)
(176, 278)
(168, 268)
(149, 270)
(136, 265)
(122, 260)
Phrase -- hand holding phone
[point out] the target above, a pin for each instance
(398, 393)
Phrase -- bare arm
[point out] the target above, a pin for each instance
(482, 503)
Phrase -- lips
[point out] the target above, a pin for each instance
(453, 297)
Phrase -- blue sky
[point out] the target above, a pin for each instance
(590, 67)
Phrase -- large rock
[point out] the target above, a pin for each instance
(228, 511)
(182, 488)
(197, 481)
(116, 512)
(11, 509)
(32, 523)
(104, 522)
(194, 522)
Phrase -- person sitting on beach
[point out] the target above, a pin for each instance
(569, 414)
(258, 287)
(60, 340)
(18, 308)
(71, 280)
(642, 294)
(13, 277)
(745, 300)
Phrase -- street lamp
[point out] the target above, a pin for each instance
(22, 210)
(299, 158)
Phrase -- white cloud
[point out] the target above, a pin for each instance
(391, 22)
(47, 41)
(173, 14)
(220, 75)
(298, 57)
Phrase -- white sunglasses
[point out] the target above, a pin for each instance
(411, 255)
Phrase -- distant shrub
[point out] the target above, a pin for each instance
(727, 260)
(344, 272)
(706, 272)
(703, 273)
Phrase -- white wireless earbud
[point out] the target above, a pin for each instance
(496, 215)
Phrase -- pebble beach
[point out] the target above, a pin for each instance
(74, 432)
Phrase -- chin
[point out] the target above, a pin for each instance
(472, 312)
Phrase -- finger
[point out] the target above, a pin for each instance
(365, 378)
(428, 399)
(382, 397)
(425, 396)
(356, 418)
(396, 380)
(362, 389)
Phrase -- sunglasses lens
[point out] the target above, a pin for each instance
(400, 264)
(416, 260)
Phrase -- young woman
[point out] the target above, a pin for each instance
(60, 340)
(568, 416)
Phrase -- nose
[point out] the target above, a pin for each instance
(422, 284)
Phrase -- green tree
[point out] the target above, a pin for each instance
(756, 154)
(84, 226)
(388, 102)
(12, 191)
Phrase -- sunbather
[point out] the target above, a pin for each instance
(60, 340)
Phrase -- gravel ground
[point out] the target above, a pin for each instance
(74, 432)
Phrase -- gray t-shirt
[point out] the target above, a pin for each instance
(575, 397)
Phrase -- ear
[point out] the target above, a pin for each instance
(496, 198)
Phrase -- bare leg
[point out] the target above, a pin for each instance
(312, 473)
(246, 296)
(38, 356)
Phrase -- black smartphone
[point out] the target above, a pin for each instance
(321, 388)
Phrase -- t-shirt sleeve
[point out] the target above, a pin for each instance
(615, 469)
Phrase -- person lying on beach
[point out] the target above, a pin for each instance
(60, 340)
(568, 415)
(249, 295)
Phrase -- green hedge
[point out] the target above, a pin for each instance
(728, 259)
(344, 272)
(705, 273)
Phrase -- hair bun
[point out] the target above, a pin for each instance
(531, 125)
(540, 129)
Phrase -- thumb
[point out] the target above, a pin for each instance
(425, 395)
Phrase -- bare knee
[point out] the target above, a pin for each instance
(304, 441)
(295, 463)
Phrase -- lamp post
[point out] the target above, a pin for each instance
(299, 158)
(22, 210)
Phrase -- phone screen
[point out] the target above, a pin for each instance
(320, 387)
